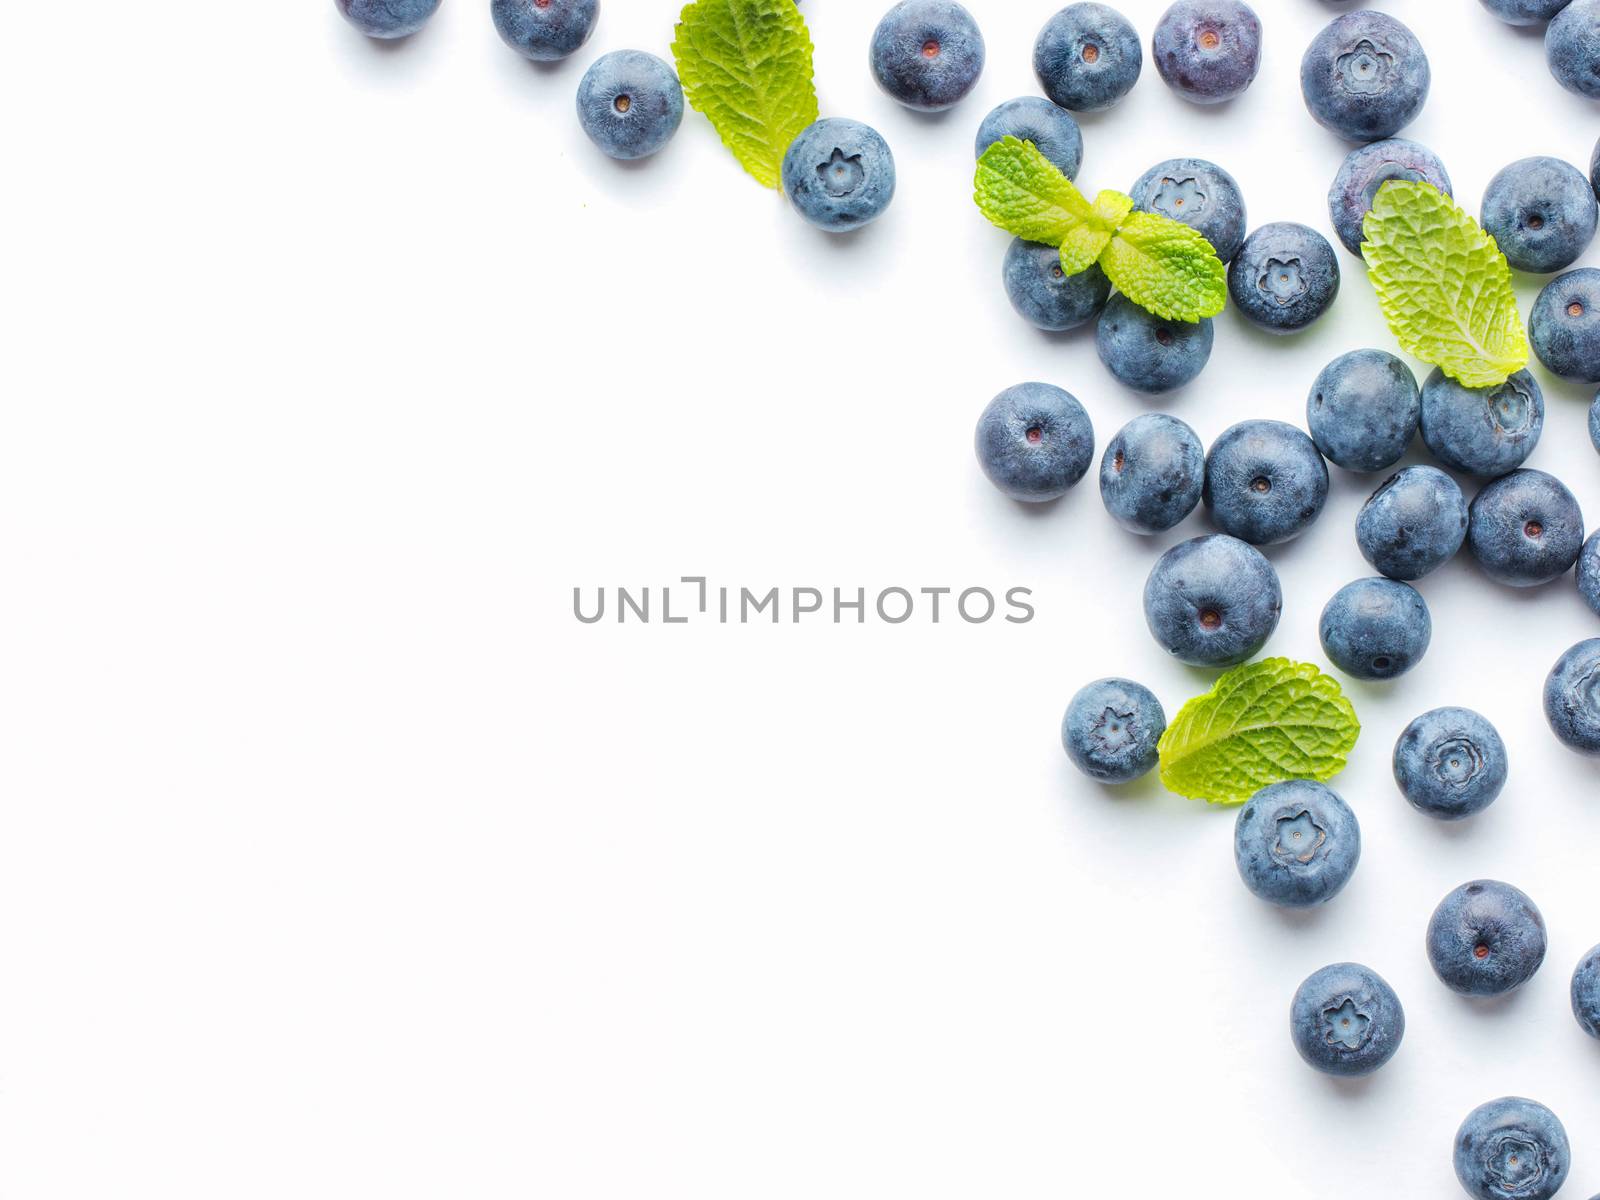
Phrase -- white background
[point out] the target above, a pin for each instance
(340, 860)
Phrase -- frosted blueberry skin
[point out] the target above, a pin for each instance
(1564, 326)
(1450, 764)
(927, 54)
(1087, 57)
(630, 104)
(1212, 601)
(1525, 12)
(1376, 628)
(1208, 51)
(1147, 352)
(839, 174)
(1541, 212)
(1284, 277)
(1201, 195)
(1346, 1020)
(387, 19)
(545, 30)
(1265, 482)
(1368, 168)
(1111, 730)
(1589, 573)
(1034, 442)
(1486, 939)
(1296, 844)
(1365, 76)
(1151, 473)
(1363, 410)
(1594, 422)
(1045, 295)
(1482, 431)
(1525, 529)
(1572, 47)
(1413, 524)
(1572, 698)
(1034, 119)
(1594, 169)
(1586, 993)
(1512, 1149)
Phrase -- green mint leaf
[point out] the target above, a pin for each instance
(1262, 723)
(1087, 242)
(1443, 284)
(746, 64)
(1166, 267)
(1024, 193)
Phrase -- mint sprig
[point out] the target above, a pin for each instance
(1160, 264)
(1443, 284)
(1261, 723)
(746, 64)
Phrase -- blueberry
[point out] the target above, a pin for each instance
(1450, 763)
(1486, 939)
(1512, 1149)
(1594, 168)
(1087, 57)
(630, 103)
(1482, 431)
(1212, 601)
(1594, 422)
(1111, 730)
(545, 30)
(1572, 46)
(1413, 524)
(1365, 76)
(1586, 993)
(387, 18)
(1363, 410)
(1265, 482)
(1346, 1020)
(1376, 628)
(1565, 325)
(1208, 51)
(1034, 119)
(1296, 844)
(1525, 529)
(1285, 277)
(1525, 12)
(1541, 212)
(1045, 294)
(927, 54)
(1589, 573)
(1201, 195)
(1148, 353)
(839, 174)
(1368, 168)
(1034, 442)
(1151, 473)
(1572, 698)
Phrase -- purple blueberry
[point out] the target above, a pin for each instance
(1365, 76)
(1564, 326)
(1542, 214)
(1525, 529)
(1368, 168)
(1087, 57)
(1413, 524)
(1284, 277)
(1208, 51)
(1201, 195)
(1034, 442)
(1034, 119)
(927, 54)
(1363, 410)
(1486, 938)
